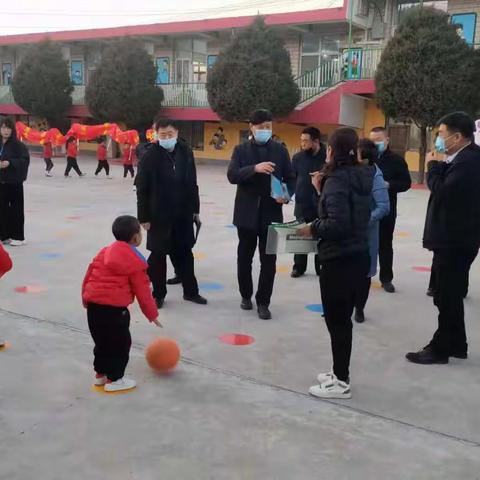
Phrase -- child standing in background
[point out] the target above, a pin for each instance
(47, 157)
(102, 158)
(72, 152)
(128, 160)
(5, 266)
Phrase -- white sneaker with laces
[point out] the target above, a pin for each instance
(109, 177)
(17, 243)
(99, 381)
(332, 389)
(120, 385)
(325, 377)
(48, 174)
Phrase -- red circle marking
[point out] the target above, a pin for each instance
(422, 269)
(236, 339)
(30, 289)
(74, 217)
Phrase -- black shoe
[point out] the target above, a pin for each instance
(159, 302)
(174, 281)
(359, 316)
(426, 357)
(198, 299)
(246, 304)
(263, 312)
(458, 354)
(430, 292)
(388, 287)
(296, 274)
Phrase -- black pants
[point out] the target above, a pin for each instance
(247, 245)
(385, 250)
(451, 269)
(72, 163)
(338, 280)
(12, 215)
(362, 291)
(128, 168)
(48, 164)
(182, 259)
(300, 263)
(110, 330)
(103, 165)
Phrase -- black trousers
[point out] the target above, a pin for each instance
(300, 262)
(385, 248)
(48, 164)
(103, 165)
(72, 163)
(362, 292)
(247, 245)
(338, 280)
(182, 259)
(128, 168)
(12, 215)
(451, 269)
(110, 330)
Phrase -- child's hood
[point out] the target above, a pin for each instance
(124, 258)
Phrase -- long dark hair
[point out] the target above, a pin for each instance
(9, 123)
(368, 150)
(344, 145)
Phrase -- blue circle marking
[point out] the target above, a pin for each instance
(315, 307)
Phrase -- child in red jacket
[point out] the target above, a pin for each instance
(72, 152)
(115, 277)
(47, 157)
(102, 157)
(5, 266)
(129, 158)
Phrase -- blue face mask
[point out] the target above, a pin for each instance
(262, 136)
(440, 144)
(167, 143)
(381, 147)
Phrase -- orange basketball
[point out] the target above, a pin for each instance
(162, 354)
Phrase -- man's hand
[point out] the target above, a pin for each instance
(4, 164)
(265, 167)
(157, 323)
(317, 180)
(146, 226)
(305, 231)
(281, 201)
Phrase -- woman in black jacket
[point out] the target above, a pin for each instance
(14, 163)
(345, 188)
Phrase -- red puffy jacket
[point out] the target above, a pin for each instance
(116, 276)
(5, 262)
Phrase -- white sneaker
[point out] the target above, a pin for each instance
(119, 385)
(99, 381)
(7, 241)
(325, 377)
(134, 189)
(48, 174)
(17, 243)
(333, 389)
(109, 177)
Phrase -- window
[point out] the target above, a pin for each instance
(76, 72)
(311, 43)
(192, 133)
(182, 71)
(163, 70)
(199, 68)
(6, 73)
(309, 63)
(363, 7)
(211, 61)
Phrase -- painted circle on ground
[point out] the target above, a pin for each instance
(422, 269)
(315, 307)
(50, 256)
(402, 234)
(64, 234)
(30, 289)
(199, 256)
(101, 390)
(230, 226)
(73, 217)
(237, 339)
(210, 286)
(376, 284)
(282, 269)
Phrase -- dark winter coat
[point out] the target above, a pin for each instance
(453, 215)
(255, 209)
(17, 154)
(167, 193)
(395, 172)
(306, 198)
(344, 212)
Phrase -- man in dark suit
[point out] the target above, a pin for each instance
(168, 205)
(251, 167)
(452, 232)
(397, 178)
(309, 160)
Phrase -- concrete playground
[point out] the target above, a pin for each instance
(227, 412)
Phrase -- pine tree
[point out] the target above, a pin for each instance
(425, 72)
(253, 71)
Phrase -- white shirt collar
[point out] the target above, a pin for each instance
(451, 158)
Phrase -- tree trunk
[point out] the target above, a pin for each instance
(422, 153)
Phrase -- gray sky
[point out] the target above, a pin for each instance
(26, 16)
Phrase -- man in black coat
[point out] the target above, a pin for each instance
(251, 167)
(309, 160)
(168, 205)
(397, 177)
(452, 232)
